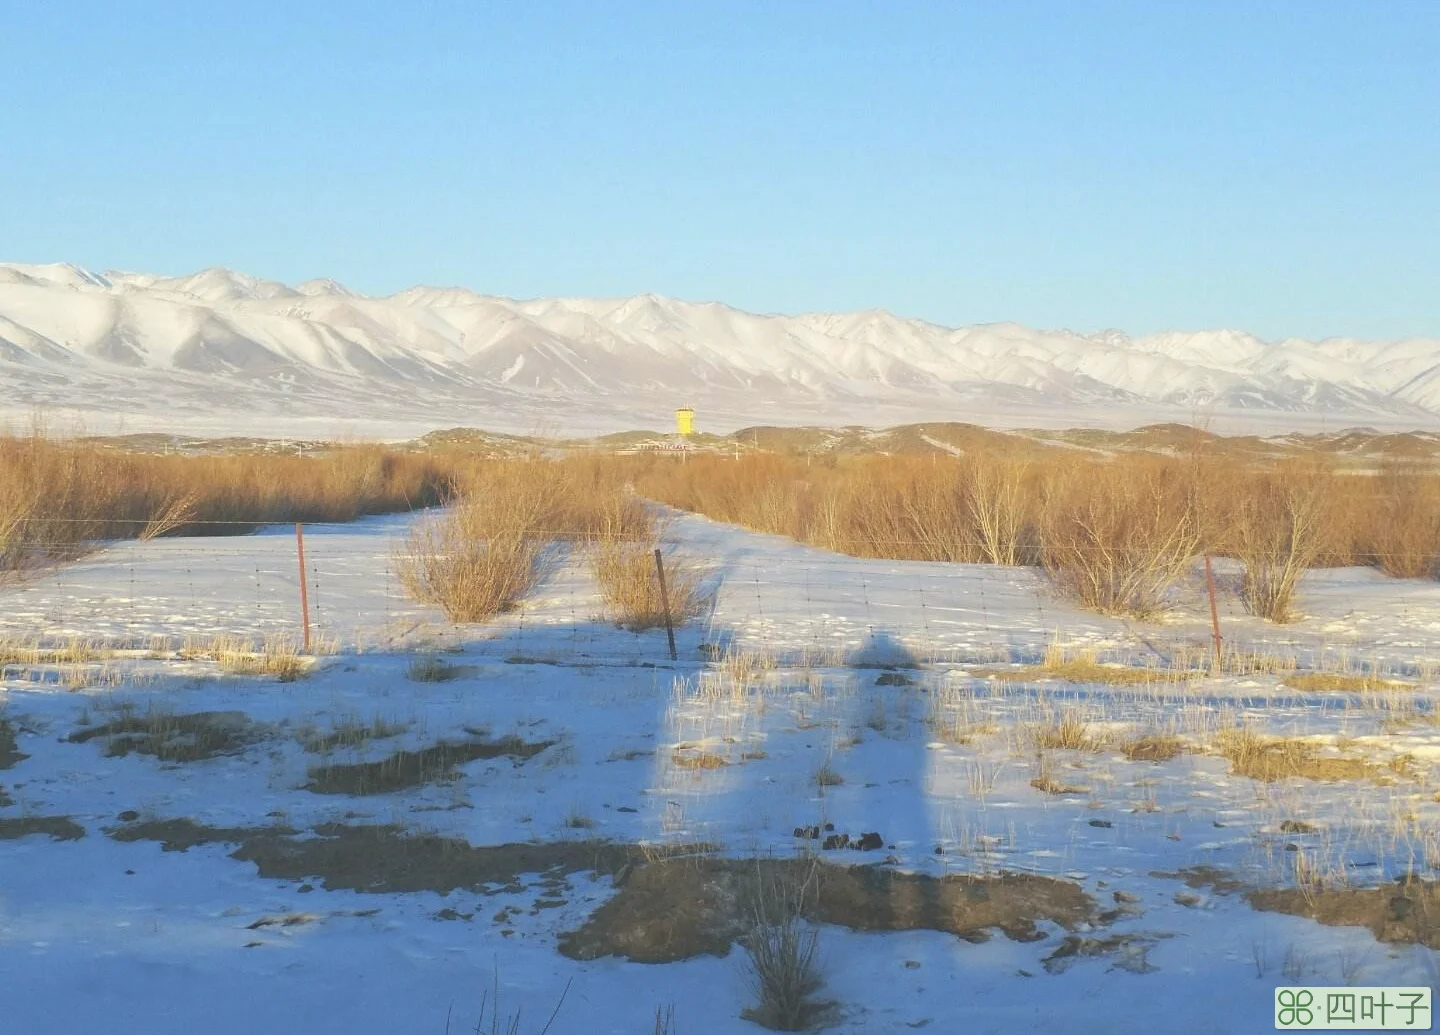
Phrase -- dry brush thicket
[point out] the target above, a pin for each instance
(57, 498)
(491, 548)
(1112, 532)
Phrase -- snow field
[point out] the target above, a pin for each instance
(880, 673)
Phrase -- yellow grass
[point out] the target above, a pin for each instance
(58, 499)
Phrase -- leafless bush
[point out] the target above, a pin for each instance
(1279, 531)
(783, 948)
(1403, 535)
(472, 578)
(622, 558)
(1116, 540)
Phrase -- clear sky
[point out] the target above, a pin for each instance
(1271, 165)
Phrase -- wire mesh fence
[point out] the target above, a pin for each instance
(761, 594)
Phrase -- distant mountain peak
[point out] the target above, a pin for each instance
(61, 324)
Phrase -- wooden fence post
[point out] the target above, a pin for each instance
(665, 602)
(304, 587)
(1214, 610)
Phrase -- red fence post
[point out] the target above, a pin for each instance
(304, 587)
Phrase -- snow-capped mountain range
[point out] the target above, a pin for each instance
(220, 342)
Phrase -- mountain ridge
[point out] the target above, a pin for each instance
(224, 332)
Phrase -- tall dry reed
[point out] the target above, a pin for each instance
(57, 499)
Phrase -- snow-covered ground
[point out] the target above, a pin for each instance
(856, 664)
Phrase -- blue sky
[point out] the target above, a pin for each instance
(1271, 166)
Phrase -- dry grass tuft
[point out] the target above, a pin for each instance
(1341, 682)
(1047, 782)
(1268, 759)
(1082, 665)
(688, 756)
(351, 732)
(1069, 732)
(431, 669)
(171, 737)
(278, 656)
(1153, 747)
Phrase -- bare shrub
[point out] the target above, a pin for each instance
(997, 501)
(1116, 540)
(622, 558)
(1278, 529)
(784, 953)
(472, 578)
(1403, 535)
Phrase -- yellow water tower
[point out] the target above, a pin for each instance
(685, 422)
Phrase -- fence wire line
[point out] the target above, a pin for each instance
(1368, 558)
(250, 589)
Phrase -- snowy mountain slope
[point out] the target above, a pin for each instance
(226, 340)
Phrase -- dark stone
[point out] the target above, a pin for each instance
(128, 816)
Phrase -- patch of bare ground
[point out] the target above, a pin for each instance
(181, 835)
(1268, 759)
(10, 754)
(1128, 952)
(1220, 881)
(431, 669)
(679, 908)
(57, 828)
(406, 769)
(1407, 911)
(174, 738)
(381, 859)
(349, 733)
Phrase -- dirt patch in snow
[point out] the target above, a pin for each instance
(386, 858)
(10, 755)
(1220, 881)
(175, 738)
(180, 835)
(1127, 952)
(679, 908)
(1406, 912)
(406, 769)
(57, 828)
